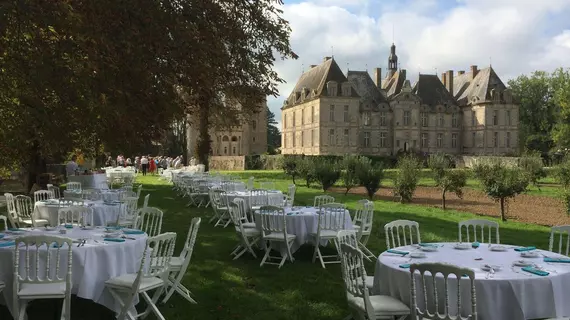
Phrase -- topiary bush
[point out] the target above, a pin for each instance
(407, 177)
(327, 172)
(531, 163)
(370, 176)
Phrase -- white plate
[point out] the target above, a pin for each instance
(462, 246)
(417, 255)
(112, 235)
(529, 254)
(521, 263)
(428, 249)
(487, 267)
(498, 248)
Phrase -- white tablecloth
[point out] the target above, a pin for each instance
(102, 213)
(107, 195)
(273, 195)
(301, 221)
(93, 181)
(508, 294)
(93, 264)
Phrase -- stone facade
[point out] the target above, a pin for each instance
(227, 163)
(330, 113)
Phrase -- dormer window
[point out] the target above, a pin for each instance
(346, 89)
(332, 88)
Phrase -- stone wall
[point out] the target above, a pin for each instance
(469, 161)
(227, 162)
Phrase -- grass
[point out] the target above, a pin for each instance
(240, 289)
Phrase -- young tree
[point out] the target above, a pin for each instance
(501, 182)
(446, 179)
(327, 173)
(273, 133)
(531, 163)
(407, 177)
(349, 176)
(562, 176)
(306, 169)
(291, 166)
(369, 176)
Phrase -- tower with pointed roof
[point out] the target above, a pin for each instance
(392, 61)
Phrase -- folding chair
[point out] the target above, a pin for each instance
(248, 236)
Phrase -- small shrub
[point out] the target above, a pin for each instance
(327, 173)
(501, 182)
(290, 167)
(562, 174)
(531, 164)
(407, 178)
(445, 178)
(349, 177)
(370, 176)
(306, 170)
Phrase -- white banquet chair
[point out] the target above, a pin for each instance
(218, 201)
(289, 198)
(74, 186)
(55, 191)
(145, 202)
(25, 212)
(42, 195)
(91, 194)
(332, 219)
(149, 220)
(274, 229)
(128, 212)
(248, 236)
(11, 211)
(75, 215)
(258, 198)
(242, 214)
(179, 265)
(39, 279)
(349, 237)
(267, 185)
(250, 183)
(321, 200)
(161, 248)
(561, 231)
(364, 305)
(445, 270)
(364, 229)
(400, 236)
(5, 220)
(479, 224)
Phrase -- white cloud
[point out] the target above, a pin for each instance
(520, 36)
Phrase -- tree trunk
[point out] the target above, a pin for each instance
(443, 199)
(204, 144)
(503, 217)
(36, 166)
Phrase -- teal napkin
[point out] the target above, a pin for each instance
(69, 226)
(133, 232)
(1, 235)
(429, 245)
(535, 271)
(114, 239)
(405, 266)
(55, 245)
(16, 229)
(475, 244)
(525, 249)
(403, 253)
(561, 260)
(7, 244)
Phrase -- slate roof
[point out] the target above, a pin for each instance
(365, 87)
(393, 85)
(432, 91)
(316, 79)
(465, 88)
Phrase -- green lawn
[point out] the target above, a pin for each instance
(227, 289)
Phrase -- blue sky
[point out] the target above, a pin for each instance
(518, 36)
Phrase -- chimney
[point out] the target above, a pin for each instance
(474, 72)
(312, 66)
(461, 72)
(443, 80)
(378, 77)
(326, 59)
(449, 79)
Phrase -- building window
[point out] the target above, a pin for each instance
(383, 119)
(366, 139)
(253, 139)
(440, 140)
(312, 114)
(294, 138)
(473, 118)
(254, 124)
(454, 140)
(234, 150)
(225, 150)
(346, 137)
(508, 117)
(302, 138)
(294, 124)
(366, 118)
(406, 118)
(424, 140)
(424, 119)
(495, 139)
(441, 120)
(382, 139)
(346, 117)
(331, 137)
(473, 139)
(495, 117)
(454, 122)
(314, 138)
(331, 114)
(508, 140)
(397, 143)
(302, 116)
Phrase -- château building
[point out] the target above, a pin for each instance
(330, 113)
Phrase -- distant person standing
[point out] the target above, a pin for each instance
(71, 167)
(144, 165)
(152, 165)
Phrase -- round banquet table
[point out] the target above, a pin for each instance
(107, 195)
(91, 181)
(509, 293)
(274, 196)
(103, 212)
(92, 264)
(301, 221)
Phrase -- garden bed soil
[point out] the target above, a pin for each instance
(525, 208)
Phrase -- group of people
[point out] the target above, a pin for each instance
(146, 163)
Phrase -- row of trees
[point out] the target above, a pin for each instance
(501, 181)
(115, 75)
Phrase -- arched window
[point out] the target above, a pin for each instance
(225, 150)
(225, 138)
(234, 138)
(234, 150)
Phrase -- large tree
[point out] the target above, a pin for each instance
(273, 133)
